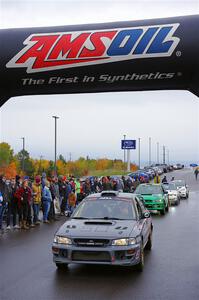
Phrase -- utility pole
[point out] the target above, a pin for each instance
(23, 139)
(70, 156)
(139, 139)
(124, 150)
(149, 151)
(168, 160)
(55, 162)
(158, 158)
(128, 160)
(163, 154)
(124, 154)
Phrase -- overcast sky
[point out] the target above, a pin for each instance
(93, 124)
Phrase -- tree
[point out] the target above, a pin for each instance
(6, 154)
(62, 158)
(25, 161)
(50, 169)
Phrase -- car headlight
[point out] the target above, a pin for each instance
(124, 242)
(62, 240)
(159, 200)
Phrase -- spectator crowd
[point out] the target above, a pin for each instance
(25, 203)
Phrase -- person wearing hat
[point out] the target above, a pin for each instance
(46, 200)
(36, 188)
(23, 195)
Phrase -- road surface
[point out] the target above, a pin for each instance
(171, 268)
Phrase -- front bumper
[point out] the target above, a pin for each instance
(155, 206)
(110, 255)
(183, 194)
(173, 199)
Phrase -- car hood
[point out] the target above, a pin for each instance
(172, 192)
(152, 197)
(98, 228)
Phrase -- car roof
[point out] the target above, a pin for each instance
(150, 184)
(111, 194)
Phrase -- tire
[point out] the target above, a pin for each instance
(61, 266)
(162, 211)
(140, 266)
(167, 208)
(177, 202)
(149, 243)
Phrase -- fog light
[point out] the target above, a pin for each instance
(131, 251)
(55, 250)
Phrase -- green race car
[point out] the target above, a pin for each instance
(154, 196)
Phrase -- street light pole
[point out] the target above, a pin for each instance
(158, 159)
(139, 139)
(164, 155)
(55, 163)
(23, 139)
(124, 150)
(168, 157)
(149, 151)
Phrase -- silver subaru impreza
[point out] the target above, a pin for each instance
(110, 228)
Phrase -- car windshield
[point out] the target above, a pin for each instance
(148, 189)
(169, 187)
(179, 183)
(105, 209)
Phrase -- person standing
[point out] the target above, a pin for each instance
(36, 189)
(71, 202)
(46, 199)
(157, 178)
(4, 194)
(24, 195)
(78, 190)
(164, 179)
(196, 173)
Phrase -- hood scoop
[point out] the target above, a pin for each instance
(97, 223)
(121, 228)
(71, 226)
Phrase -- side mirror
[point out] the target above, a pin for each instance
(146, 215)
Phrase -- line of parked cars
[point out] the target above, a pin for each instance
(158, 197)
(148, 173)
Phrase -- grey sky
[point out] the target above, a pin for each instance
(94, 124)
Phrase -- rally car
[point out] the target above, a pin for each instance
(111, 228)
(155, 197)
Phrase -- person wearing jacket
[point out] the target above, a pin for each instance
(157, 178)
(71, 202)
(36, 189)
(4, 198)
(46, 199)
(24, 195)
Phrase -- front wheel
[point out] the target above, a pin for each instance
(61, 266)
(140, 266)
(149, 243)
(162, 211)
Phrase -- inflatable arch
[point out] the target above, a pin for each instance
(159, 54)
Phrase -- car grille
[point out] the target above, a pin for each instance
(91, 242)
(101, 256)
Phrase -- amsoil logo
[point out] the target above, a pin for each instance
(53, 51)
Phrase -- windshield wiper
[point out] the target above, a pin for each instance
(108, 218)
(80, 218)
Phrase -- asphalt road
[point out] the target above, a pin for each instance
(171, 268)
